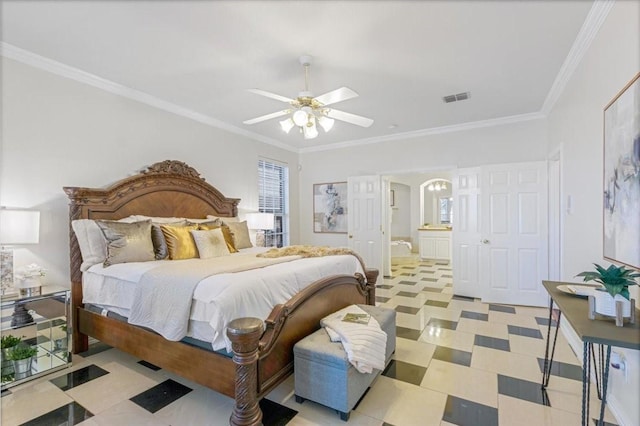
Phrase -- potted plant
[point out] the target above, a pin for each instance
(616, 281)
(22, 357)
(8, 343)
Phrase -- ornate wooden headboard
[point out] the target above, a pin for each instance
(165, 189)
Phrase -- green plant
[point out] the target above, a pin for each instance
(22, 352)
(616, 279)
(9, 341)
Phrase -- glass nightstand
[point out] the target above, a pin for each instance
(40, 322)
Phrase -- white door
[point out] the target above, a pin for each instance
(514, 228)
(364, 219)
(466, 233)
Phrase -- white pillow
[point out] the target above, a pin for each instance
(161, 220)
(223, 219)
(93, 244)
(210, 243)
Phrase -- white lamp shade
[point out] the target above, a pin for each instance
(260, 221)
(287, 125)
(19, 226)
(310, 131)
(300, 118)
(326, 123)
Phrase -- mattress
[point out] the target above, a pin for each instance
(112, 289)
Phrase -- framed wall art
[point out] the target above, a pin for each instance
(621, 222)
(330, 207)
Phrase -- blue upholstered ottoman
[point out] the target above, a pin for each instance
(323, 373)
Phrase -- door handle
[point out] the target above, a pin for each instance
(350, 236)
(485, 241)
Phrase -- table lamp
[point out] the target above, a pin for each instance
(261, 222)
(17, 227)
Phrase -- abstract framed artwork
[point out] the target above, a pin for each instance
(330, 207)
(621, 221)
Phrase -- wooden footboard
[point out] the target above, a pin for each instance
(262, 349)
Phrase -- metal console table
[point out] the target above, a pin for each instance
(603, 332)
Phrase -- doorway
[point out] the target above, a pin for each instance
(410, 202)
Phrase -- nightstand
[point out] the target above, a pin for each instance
(41, 322)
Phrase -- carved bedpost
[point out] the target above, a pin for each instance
(372, 277)
(244, 334)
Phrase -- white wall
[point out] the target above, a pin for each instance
(401, 211)
(576, 127)
(524, 141)
(58, 132)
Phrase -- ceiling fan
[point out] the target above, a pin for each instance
(306, 111)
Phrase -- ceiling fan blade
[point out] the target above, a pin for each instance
(267, 117)
(335, 96)
(271, 95)
(358, 120)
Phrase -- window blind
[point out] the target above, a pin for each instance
(273, 196)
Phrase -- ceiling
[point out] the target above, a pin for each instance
(198, 58)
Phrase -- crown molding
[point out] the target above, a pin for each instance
(431, 131)
(595, 18)
(29, 58)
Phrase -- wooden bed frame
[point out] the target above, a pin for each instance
(262, 348)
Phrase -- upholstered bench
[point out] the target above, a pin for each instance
(323, 373)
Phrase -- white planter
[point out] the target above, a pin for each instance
(606, 305)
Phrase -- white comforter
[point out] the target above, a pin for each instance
(219, 298)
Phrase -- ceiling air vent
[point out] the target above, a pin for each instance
(458, 97)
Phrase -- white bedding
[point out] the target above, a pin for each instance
(400, 248)
(219, 298)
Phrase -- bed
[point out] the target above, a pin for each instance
(262, 348)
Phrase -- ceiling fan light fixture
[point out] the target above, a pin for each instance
(287, 125)
(300, 118)
(326, 123)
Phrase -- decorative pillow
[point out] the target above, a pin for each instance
(93, 246)
(226, 232)
(240, 233)
(210, 243)
(127, 242)
(159, 242)
(179, 241)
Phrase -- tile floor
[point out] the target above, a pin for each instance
(457, 362)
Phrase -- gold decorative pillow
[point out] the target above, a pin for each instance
(127, 242)
(210, 243)
(226, 232)
(240, 233)
(159, 242)
(180, 241)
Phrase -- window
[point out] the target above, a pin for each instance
(446, 213)
(273, 197)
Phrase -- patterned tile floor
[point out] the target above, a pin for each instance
(457, 362)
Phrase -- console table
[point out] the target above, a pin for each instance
(603, 332)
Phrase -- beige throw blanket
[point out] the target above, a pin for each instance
(162, 298)
(311, 251)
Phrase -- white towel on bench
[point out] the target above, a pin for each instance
(365, 344)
